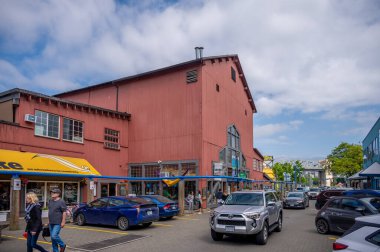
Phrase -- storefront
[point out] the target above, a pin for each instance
(23, 172)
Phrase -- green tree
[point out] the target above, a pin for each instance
(280, 168)
(346, 159)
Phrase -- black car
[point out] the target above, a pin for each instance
(296, 200)
(325, 195)
(339, 213)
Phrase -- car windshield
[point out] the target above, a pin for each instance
(251, 199)
(300, 189)
(295, 195)
(375, 202)
(161, 198)
(314, 190)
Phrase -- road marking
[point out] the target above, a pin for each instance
(22, 238)
(159, 224)
(97, 230)
(333, 238)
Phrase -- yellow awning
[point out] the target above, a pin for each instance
(269, 173)
(28, 162)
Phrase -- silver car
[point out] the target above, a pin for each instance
(247, 213)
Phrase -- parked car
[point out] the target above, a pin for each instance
(314, 193)
(325, 195)
(362, 193)
(167, 207)
(364, 235)
(254, 213)
(296, 200)
(122, 212)
(339, 213)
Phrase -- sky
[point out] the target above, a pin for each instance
(313, 67)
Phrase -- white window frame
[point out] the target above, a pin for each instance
(47, 125)
(82, 128)
(108, 143)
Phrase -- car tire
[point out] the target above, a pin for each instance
(216, 236)
(262, 236)
(169, 218)
(322, 226)
(145, 225)
(81, 220)
(279, 223)
(123, 223)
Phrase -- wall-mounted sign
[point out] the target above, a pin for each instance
(17, 184)
(218, 169)
(92, 185)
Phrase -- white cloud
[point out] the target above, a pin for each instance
(269, 130)
(298, 56)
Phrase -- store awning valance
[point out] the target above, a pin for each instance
(372, 170)
(25, 163)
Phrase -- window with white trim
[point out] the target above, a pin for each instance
(72, 130)
(111, 139)
(46, 125)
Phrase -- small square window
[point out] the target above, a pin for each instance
(192, 76)
(217, 87)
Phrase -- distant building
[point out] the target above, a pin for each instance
(371, 161)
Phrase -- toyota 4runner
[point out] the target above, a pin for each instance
(254, 213)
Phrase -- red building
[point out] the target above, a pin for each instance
(194, 118)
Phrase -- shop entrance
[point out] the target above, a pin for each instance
(108, 189)
(5, 192)
(152, 188)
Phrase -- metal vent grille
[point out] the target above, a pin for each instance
(192, 76)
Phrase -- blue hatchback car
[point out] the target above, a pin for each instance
(122, 212)
(168, 208)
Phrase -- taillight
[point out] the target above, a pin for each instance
(339, 246)
(167, 206)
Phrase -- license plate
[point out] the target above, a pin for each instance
(230, 228)
(149, 213)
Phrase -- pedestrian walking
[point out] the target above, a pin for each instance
(190, 201)
(57, 219)
(219, 196)
(199, 196)
(33, 222)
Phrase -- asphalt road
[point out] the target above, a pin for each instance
(187, 233)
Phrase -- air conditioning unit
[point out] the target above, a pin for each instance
(30, 118)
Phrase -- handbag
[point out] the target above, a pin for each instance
(45, 232)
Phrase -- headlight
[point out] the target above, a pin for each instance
(254, 216)
(213, 213)
(299, 201)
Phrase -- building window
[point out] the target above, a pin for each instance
(233, 74)
(189, 169)
(217, 87)
(255, 164)
(111, 139)
(233, 138)
(72, 130)
(191, 76)
(46, 125)
(152, 171)
(136, 171)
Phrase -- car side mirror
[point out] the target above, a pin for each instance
(360, 210)
(271, 203)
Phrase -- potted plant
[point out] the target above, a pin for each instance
(45, 212)
(3, 216)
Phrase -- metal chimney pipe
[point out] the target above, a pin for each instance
(198, 52)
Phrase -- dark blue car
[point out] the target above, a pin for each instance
(167, 207)
(122, 212)
(362, 193)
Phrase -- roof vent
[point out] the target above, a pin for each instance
(198, 52)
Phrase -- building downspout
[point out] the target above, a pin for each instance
(117, 97)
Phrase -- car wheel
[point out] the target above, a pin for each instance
(81, 220)
(146, 224)
(322, 226)
(169, 218)
(216, 236)
(279, 224)
(123, 223)
(262, 236)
